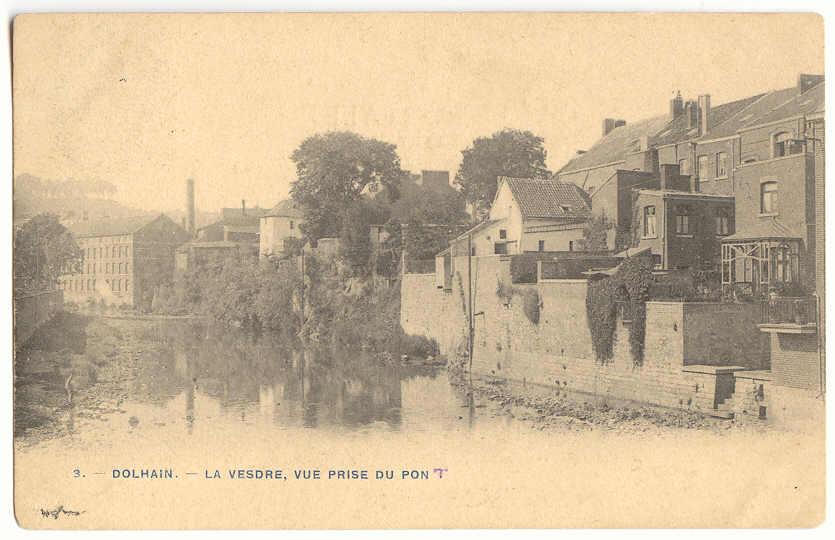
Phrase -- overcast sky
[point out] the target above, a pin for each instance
(147, 101)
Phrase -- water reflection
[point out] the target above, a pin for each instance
(202, 377)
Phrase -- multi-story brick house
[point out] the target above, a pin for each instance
(766, 154)
(766, 151)
(124, 260)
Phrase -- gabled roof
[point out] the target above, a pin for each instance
(614, 146)
(239, 216)
(677, 131)
(749, 115)
(477, 227)
(809, 102)
(548, 199)
(113, 226)
(286, 208)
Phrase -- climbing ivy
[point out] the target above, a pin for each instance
(630, 284)
(601, 315)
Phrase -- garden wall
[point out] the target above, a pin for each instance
(678, 368)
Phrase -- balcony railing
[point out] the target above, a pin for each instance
(799, 310)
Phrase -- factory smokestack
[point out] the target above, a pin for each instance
(190, 203)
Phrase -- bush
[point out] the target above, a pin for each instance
(531, 304)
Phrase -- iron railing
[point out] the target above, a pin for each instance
(794, 310)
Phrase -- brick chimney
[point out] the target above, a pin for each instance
(806, 81)
(611, 123)
(190, 211)
(676, 106)
(670, 178)
(691, 111)
(704, 114)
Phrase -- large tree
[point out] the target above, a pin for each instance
(43, 250)
(333, 170)
(510, 152)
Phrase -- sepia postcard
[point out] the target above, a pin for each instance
(448, 270)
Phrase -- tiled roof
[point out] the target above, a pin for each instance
(286, 208)
(677, 131)
(725, 119)
(548, 198)
(810, 101)
(749, 115)
(616, 144)
(112, 226)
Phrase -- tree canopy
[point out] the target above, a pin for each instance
(510, 152)
(43, 250)
(333, 170)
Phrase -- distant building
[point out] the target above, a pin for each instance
(277, 225)
(236, 234)
(124, 260)
(235, 225)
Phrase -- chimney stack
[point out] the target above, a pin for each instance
(611, 123)
(243, 207)
(691, 111)
(676, 106)
(190, 208)
(704, 114)
(806, 81)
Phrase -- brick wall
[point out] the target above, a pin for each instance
(426, 310)
(722, 334)
(794, 360)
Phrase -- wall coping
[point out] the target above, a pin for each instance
(567, 280)
(712, 370)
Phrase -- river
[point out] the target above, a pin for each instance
(82, 380)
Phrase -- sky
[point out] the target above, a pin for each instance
(147, 101)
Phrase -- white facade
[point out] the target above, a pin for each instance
(274, 231)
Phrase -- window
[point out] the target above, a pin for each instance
(723, 222)
(126, 268)
(683, 219)
(502, 234)
(292, 225)
(472, 251)
(500, 248)
(721, 165)
(571, 245)
(781, 141)
(768, 198)
(126, 285)
(542, 245)
(702, 167)
(684, 166)
(649, 222)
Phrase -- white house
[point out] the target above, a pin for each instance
(277, 225)
(527, 215)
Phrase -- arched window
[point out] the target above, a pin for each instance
(768, 198)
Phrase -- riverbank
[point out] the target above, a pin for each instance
(549, 409)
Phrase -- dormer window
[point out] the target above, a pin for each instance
(565, 208)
